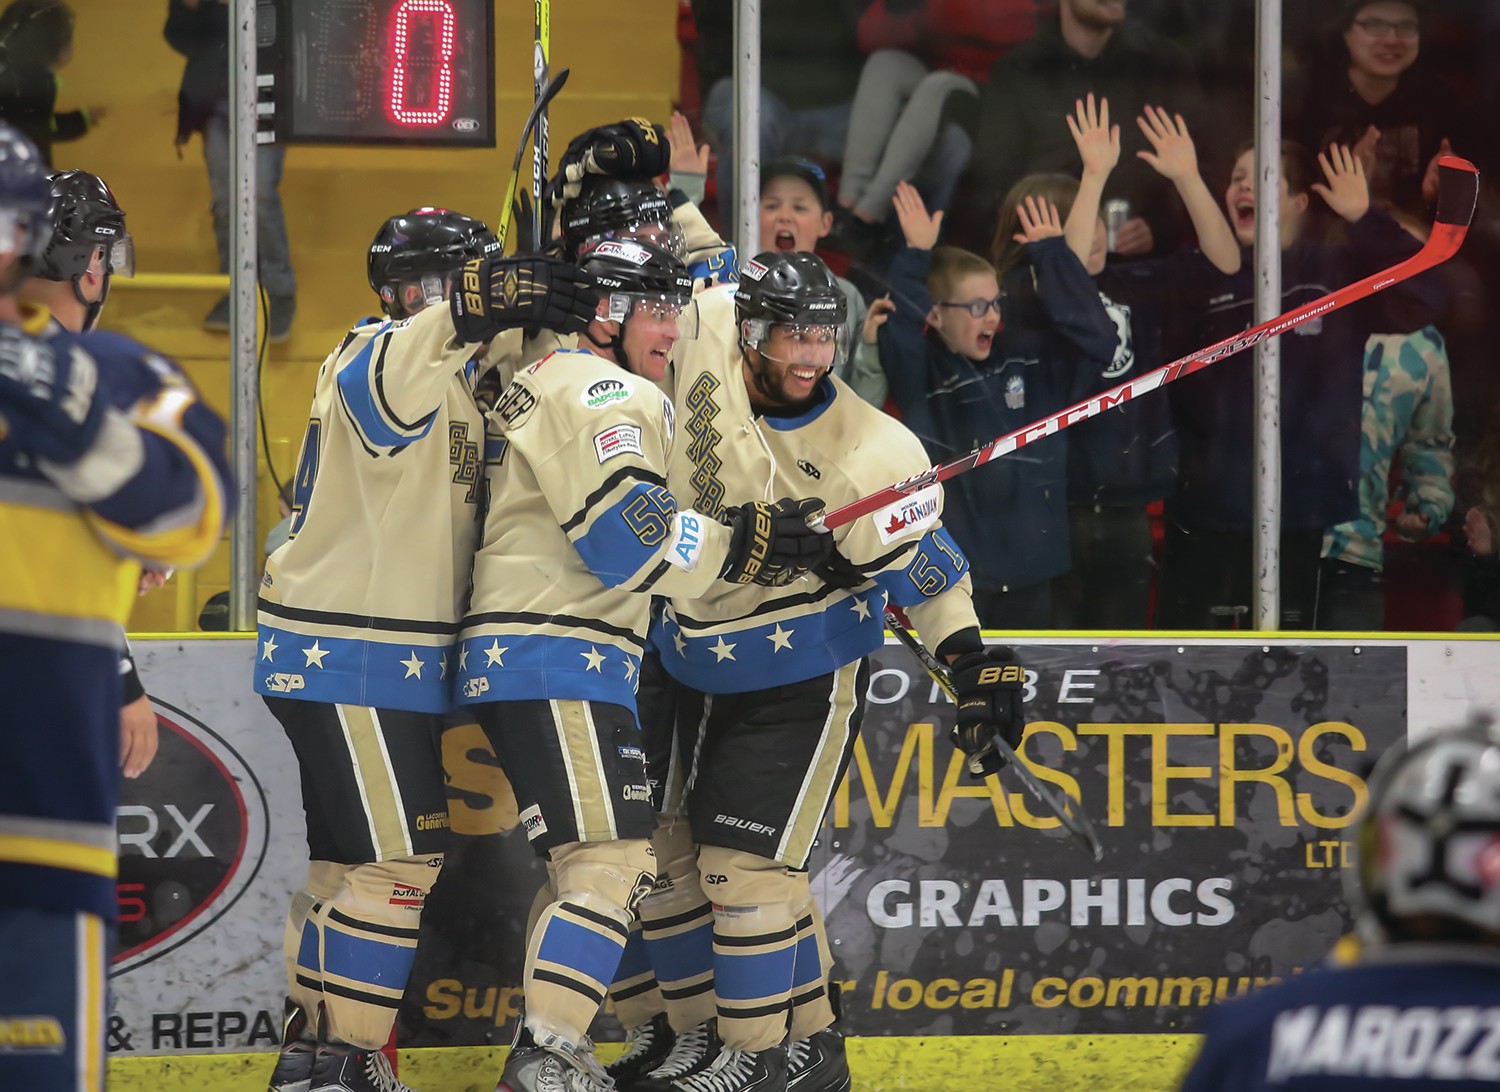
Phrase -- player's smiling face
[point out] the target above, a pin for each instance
(790, 216)
(786, 370)
(648, 344)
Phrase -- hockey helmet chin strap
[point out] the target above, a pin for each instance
(92, 309)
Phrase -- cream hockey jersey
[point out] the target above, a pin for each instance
(362, 605)
(581, 529)
(736, 638)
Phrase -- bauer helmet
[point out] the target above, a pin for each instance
(635, 277)
(414, 254)
(1429, 843)
(618, 208)
(796, 290)
(25, 199)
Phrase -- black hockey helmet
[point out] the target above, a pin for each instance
(412, 254)
(85, 216)
(618, 208)
(792, 289)
(639, 277)
(25, 200)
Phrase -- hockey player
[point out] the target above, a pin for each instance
(107, 459)
(89, 245)
(359, 611)
(581, 530)
(770, 682)
(1416, 1008)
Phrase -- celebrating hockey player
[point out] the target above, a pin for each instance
(359, 611)
(1414, 1008)
(769, 682)
(581, 530)
(107, 460)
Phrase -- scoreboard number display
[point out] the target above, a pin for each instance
(418, 72)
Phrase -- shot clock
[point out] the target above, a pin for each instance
(386, 72)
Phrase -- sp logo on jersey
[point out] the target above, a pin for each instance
(282, 682)
(914, 513)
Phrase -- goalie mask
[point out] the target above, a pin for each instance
(618, 208)
(791, 312)
(88, 235)
(413, 257)
(1429, 844)
(635, 279)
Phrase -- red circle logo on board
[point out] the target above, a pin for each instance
(193, 834)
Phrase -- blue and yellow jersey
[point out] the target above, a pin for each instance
(153, 488)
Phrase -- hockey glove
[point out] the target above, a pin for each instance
(633, 148)
(839, 572)
(495, 294)
(52, 407)
(772, 544)
(989, 685)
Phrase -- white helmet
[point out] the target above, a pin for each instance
(1429, 845)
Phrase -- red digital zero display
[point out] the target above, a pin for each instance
(388, 71)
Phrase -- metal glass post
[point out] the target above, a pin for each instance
(747, 127)
(244, 553)
(1267, 536)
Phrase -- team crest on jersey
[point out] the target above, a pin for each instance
(617, 440)
(606, 392)
(914, 513)
(1015, 392)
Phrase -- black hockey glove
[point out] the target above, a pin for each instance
(839, 572)
(772, 544)
(633, 148)
(52, 407)
(989, 685)
(495, 294)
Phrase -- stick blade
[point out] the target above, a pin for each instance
(1458, 191)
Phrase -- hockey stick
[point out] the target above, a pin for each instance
(1069, 812)
(554, 85)
(1458, 190)
(541, 59)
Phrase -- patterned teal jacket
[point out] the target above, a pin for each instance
(1408, 410)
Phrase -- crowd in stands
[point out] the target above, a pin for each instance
(1031, 202)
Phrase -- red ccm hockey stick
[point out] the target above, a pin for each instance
(1458, 191)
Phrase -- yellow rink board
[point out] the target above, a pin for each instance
(1019, 1063)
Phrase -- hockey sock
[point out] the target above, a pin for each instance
(677, 923)
(755, 933)
(812, 1010)
(578, 941)
(369, 935)
(301, 944)
(635, 992)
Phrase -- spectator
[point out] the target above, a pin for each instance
(199, 30)
(36, 39)
(794, 215)
(1366, 89)
(925, 63)
(1412, 1008)
(1090, 47)
(1480, 484)
(809, 66)
(960, 378)
(1207, 564)
(1127, 457)
(1408, 410)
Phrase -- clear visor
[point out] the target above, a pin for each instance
(422, 292)
(804, 344)
(665, 236)
(13, 232)
(657, 307)
(121, 256)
